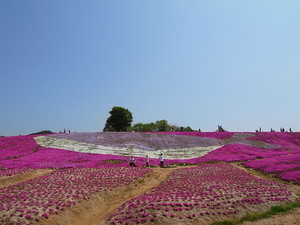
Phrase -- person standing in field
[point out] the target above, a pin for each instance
(147, 161)
(161, 160)
(132, 161)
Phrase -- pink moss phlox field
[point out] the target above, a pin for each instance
(279, 164)
(283, 139)
(279, 156)
(12, 172)
(239, 152)
(16, 147)
(57, 191)
(22, 152)
(208, 190)
(292, 175)
(283, 157)
(60, 158)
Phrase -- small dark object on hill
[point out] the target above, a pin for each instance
(220, 128)
(282, 129)
(43, 132)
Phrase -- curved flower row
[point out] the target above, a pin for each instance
(12, 172)
(59, 190)
(201, 193)
(16, 147)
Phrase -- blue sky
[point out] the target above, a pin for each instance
(65, 64)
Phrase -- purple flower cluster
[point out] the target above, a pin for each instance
(57, 191)
(207, 191)
(216, 135)
(292, 175)
(16, 147)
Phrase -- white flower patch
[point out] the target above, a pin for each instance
(182, 153)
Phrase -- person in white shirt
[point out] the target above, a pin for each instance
(161, 160)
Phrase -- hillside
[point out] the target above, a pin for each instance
(85, 178)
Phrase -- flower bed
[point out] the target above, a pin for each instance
(16, 147)
(206, 192)
(57, 191)
(292, 175)
(285, 166)
(216, 135)
(12, 172)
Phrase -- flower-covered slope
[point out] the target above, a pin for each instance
(57, 191)
(204, 193)
(276, 153)
(133, 143)
(269, 152)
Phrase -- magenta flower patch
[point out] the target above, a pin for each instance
(211, 191)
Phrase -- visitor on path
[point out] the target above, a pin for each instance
(161, 160)
(132, 161)
(147, 161)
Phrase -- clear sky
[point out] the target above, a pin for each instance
(65, 64)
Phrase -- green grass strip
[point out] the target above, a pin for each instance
(258, 216)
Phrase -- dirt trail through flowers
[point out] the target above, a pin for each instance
(96, 210)
(7, 181)
(99, 207)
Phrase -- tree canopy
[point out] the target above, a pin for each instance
(120, 119)
(160, 125)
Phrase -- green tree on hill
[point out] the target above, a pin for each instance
(144, 127)
(120, 119)
(162, 125)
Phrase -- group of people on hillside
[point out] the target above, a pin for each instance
(132, 161)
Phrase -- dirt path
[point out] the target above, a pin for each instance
(7, 181)
(100, 206)
(96, 210)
